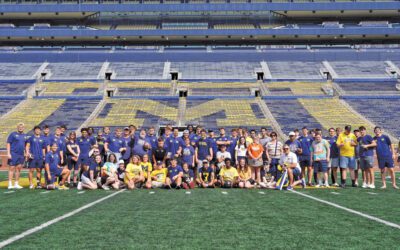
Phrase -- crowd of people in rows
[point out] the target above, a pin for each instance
(132, 158)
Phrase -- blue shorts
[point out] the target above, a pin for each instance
(320, 166)
(84, 160)
(347, 162)
(296, 174)
(72, 164)
(36, 163)
(305, 161)
(16, 160)
(366, 162)
(385, 162)
(334, 162)
(54, 173)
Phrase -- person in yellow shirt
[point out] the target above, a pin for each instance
(229, 175)
(159, 176)
(134, 174)
(147, 167)
(244, 171)
(347, 142)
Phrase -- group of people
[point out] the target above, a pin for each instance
(132, 158)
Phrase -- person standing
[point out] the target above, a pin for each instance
(346, 143)
(16, 155)
(305, 158)
(35, 150)
(333, 163)
(367, 145)
(255, 152)
(320, 156)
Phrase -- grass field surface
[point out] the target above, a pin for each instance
(202, 219)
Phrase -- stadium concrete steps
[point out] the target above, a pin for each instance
(270, 117)
(181, 111)
(94, 114)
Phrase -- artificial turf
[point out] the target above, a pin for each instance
(203, 219)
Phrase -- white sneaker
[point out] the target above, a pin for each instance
(105, 187)
(16, 186)
(372, 186)
(364, 185)
(335, 185)
(326, 185)
(317, 186)
(10, 187)
(31, 186)
(79, 187)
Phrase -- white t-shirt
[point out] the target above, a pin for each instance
(241, 150)
(289, 159)
(225, 155)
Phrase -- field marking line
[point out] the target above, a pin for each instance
(152, 192)
(261, 192)
(9, 192)
(224, 192)
(370, 217)
(188, 192)
(336, 193)
(81, 192)
(55, 220)
(45, 192)
(371, 193)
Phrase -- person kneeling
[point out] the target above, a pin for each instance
(206, 176)
(134, 177)
(90, 174)
(53, 169)
(229, 175)
(159, 176)
(188, 177)
(289, 163)
(175, 173)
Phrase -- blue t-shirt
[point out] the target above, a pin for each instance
(128, 144)
(37, 144)
(232, 147)
(17, 143)
(152, 139)
(53, 159)
(188, 174)
(173, 144)
(194, 138)
(188, 155)
(293, 145)
(206, 174)
(383, 143)
(305, 144)
(115, 144)
(203, 148)
(214, 146)
(61, 144)
(138, 148)
(74, 146)
(172, 172)
(47, 139)
(85, 145)
(365, 140)
(95, 167)
(334, 148)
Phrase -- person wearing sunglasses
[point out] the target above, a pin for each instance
(290, 163)
(273, 152)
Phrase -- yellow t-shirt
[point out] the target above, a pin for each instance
(228, 174)
(243, 174)
(161, 174)
(146, 166)
(347, 150)
(132, 171)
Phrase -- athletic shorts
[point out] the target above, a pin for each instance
(347, 162)
(296, 174)
(84, 160)
(320, 166)
(366, 162)
(385, 162)
(157, 184)
(305, 161)
(16, 160)
(72, 164)
(36, 163)
(54, 173)
(333, 163)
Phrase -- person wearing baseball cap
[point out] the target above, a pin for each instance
(229, 175)
(347, 142)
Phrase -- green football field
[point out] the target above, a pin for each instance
(202, 219)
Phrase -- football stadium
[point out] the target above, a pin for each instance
(199, 124)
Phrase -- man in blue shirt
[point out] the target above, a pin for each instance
(366, 144)
(175, 173)
(85, 145)
(46, 135)
(173, 145)
(294, 144)
(386, 155)
(152, 137)
(213, 142)
(188, 154)
(203, 151)
(305, 158)
(16, 155)
(140, 143)
(61, 144)
(54, 170)
(115, 144)
(35, 150)
(334, 155)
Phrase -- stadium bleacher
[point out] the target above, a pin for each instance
(70, 88)
(7, 104)
(218, 89)
(74, 71)
(295, 88)
(20, 71)
(295, 70)
(137, 70)
(369, 88)
(141, 88)
(14, 89)
(360, 69)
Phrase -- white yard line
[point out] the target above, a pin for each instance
(335, 193)
(55, 220)
(370, 217)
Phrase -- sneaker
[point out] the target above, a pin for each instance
(383, 187)
(395, 187)
(31, 186)
(372, 186)
(178, 187)
(326, 185)
(317, 186)
(79, 186)
(303, 183)
(335, 185)
(105, 187)
(16, 186)
(63, 187)
(343, 185)
(39, 186)
(289, 188)
(364, 185)
(10, 187)
(356, 184)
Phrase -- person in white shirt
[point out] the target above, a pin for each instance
(289, 162)
(222, 155)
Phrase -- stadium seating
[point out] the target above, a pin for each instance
(228, 113)
(75, 70)
(360, 69)
(141, 88)
(216, 70)
(331, 112)
(184, 26)
(233, 26)
(369, 88)
(6, 105)
(383, 112)
(70, 88)
(13, 89)
(32, 112)
(136, 27)
(295, 88)
(137, 70)
(141, 112)
(295, 70)
(100, 27)
(218, 89)
(20, 71)
(290, 114)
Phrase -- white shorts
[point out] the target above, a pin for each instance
(157, 184)
(85, 180)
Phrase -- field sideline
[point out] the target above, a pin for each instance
(202, 219)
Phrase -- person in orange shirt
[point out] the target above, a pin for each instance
(255, 151)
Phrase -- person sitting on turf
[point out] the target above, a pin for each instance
(244, 171)
(121, 172)
(134, 177)
(216, 171)
(159, 175)
(206, 176)
(229, 175)
(54, 170)
(175, 173)
(147, 167)
(187, 177)
(109, 173)
(289, 163)
(90, 174)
